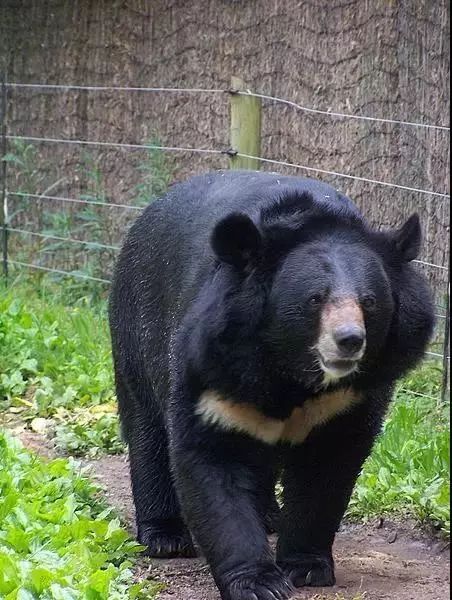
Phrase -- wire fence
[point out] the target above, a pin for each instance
(168, 90)
(229, 152)
(61, 240)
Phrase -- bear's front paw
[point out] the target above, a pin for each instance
(313, 570)
(166, 540)
(265, 583)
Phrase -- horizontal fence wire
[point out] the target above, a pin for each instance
(108, 247)
(420, 394)
(341, 115)
(76, 274)
(437, 355)
(98, 245)
(126, 146)
(101, 245)
(26, 195)
(429, 264)
(115, 88)
(344, 175)
(120, 145)
(83, 276)
(49, 236)
(291, 103)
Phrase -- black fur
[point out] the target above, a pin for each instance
(217, 287)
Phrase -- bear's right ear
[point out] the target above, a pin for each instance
(408, 238)
(236, 240)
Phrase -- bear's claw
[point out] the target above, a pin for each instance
(269, 584)
(166, 544)
(310, 570)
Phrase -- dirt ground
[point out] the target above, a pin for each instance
(387, 563)
(383, 562)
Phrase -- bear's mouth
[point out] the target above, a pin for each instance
(338, 368)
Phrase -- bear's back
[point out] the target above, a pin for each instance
(202, 200)
(182, 220)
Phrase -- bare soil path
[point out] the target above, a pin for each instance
(389, 563)
(392, 562)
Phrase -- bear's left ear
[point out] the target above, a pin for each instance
(408, 238)
(236, 240)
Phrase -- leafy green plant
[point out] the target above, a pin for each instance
(89, 431)
(408, 472)
(28, 171)
(55, 358)
(58, 540)
(89, 223)
(98, 228)
(156, 173)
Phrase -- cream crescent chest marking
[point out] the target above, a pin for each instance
(215, 410)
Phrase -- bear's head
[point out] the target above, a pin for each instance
(319, 296)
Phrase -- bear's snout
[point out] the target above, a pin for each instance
(342, 340)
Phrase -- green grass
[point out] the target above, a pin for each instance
(56, 376)
(57, 539)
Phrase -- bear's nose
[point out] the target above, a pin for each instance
(350, 339)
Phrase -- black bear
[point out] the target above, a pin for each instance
(258, 327)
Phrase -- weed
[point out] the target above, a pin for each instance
(57, 539)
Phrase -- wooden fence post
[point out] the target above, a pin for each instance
(245, 127)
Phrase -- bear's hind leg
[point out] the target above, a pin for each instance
(160, 526)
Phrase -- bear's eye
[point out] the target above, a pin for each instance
(316, 300)
(369, 302)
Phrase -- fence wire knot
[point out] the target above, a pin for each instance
(230, 152)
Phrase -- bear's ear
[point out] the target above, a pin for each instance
(236, 240)
(408, 238)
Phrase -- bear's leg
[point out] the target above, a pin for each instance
(219, 483)
(318, 479)
(160, 526)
